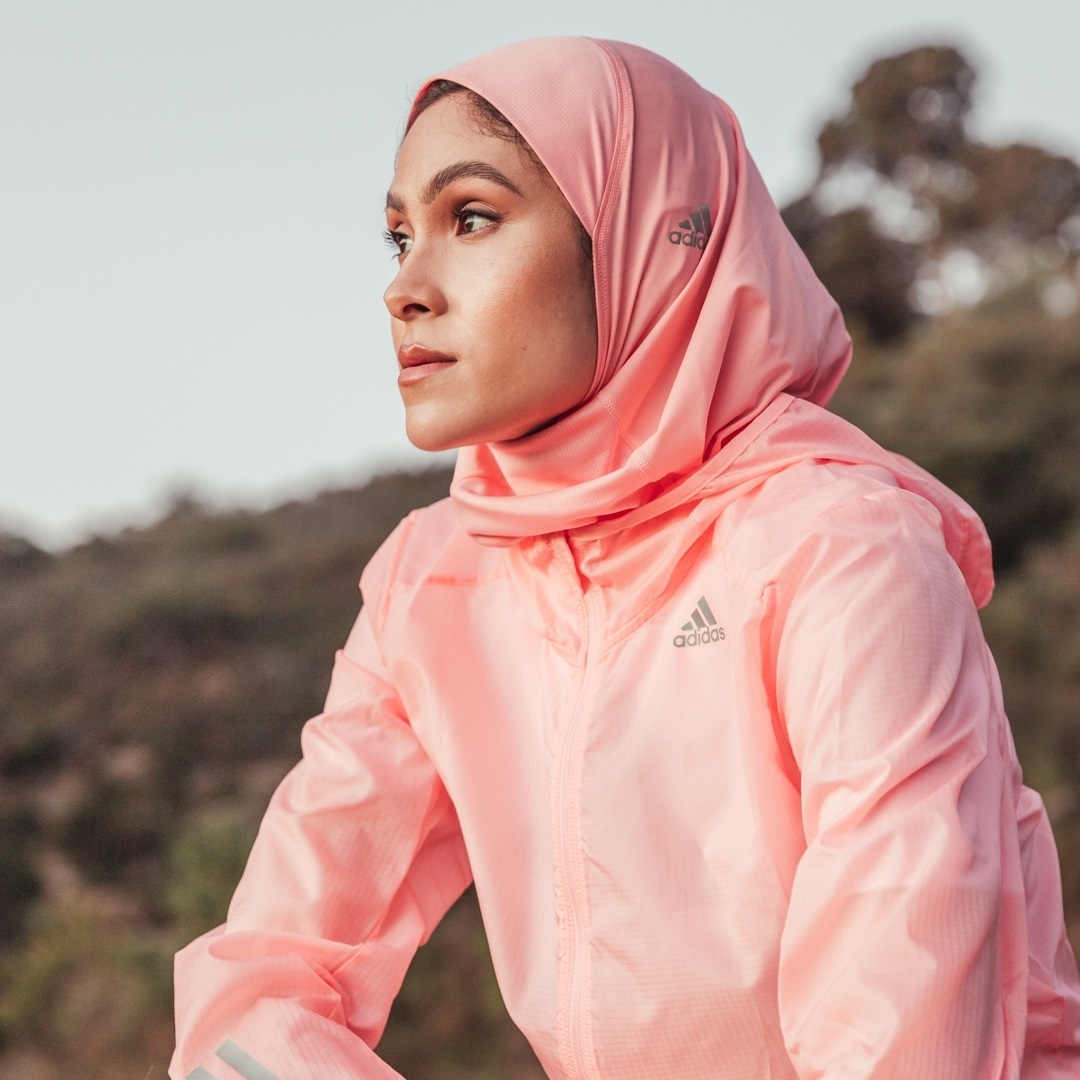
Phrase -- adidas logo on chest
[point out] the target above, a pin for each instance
(701, 629)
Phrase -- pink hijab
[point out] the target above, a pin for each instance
(710, 318)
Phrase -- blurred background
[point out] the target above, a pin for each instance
(201, 442)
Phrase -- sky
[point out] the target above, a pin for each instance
(191, 261)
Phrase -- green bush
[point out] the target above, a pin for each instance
(179, 612)
(206, 860)
(81, 992)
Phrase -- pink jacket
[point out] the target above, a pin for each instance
(690, 684)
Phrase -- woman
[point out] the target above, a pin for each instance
(686, 675)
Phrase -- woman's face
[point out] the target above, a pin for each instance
(492, 307)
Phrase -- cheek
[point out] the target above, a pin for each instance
(505, 283)
(530, 313)
(565, 310)
(537, 292)
(503, 306)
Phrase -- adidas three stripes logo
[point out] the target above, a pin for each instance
(694, 231)
(701, 628)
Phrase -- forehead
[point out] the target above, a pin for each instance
(446, 132)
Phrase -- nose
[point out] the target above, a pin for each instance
(415, 290)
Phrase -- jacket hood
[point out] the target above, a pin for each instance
(710, 319)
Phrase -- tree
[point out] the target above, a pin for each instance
(909, 216)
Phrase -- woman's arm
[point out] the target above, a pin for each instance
(358, 857)
(905, 951)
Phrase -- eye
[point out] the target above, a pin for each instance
(398, 242)
(473, 220)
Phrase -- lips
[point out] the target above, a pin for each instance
(410, 356)
(418, 363)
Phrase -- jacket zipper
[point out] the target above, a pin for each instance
(568, 852)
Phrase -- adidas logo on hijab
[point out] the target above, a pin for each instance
(695, 230)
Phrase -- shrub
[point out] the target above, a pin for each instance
(81, 992)
(206, 861)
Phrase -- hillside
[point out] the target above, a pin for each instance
(152, 689)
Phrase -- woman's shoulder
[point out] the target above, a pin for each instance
(429, 546)
(812, 480)
(830, 510)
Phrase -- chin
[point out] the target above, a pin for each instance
(428, 433)
(433, 438)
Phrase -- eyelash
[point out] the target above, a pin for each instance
(469, 211)
(394, 239)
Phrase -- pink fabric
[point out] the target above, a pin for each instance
(707, 715)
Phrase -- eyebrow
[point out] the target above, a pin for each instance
(479, 170)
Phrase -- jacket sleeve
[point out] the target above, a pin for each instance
(904, 951)
(358, 857)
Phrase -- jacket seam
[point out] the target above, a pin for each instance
(446, 581)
